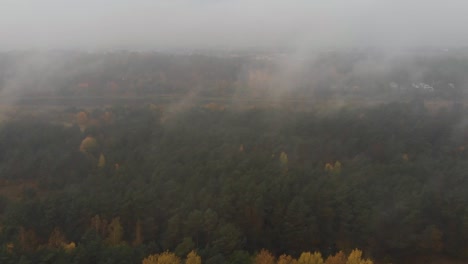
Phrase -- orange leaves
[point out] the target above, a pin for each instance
(286, 259)
(264, 257)
(82, 120)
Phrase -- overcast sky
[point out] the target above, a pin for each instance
(154, 24)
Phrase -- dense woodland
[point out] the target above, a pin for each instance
(122, 184)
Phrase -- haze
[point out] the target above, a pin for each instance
(144, 24)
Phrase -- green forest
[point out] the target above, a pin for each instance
(138, 184)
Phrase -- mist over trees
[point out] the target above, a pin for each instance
(232, 76)
(233, 131)
(386, 179)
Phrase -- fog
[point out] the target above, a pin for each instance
(163, 24)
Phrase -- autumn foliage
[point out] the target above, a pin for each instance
(163, 258)
(264, 257)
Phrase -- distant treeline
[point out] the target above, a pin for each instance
(326, 75)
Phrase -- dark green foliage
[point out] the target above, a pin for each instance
(401, 188)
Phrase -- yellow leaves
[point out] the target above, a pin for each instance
(88, 145)
(309, 258)
(337, 167)
(286, 259)
(355, 257)
(338, 258)
(56, 239)
(171, 258)
(168, 258)
(334, 169)
(193, 258)
(163, 258)
(102, 161)
(69, 247)
(264, 257)
(151, 259)
(284, 158)
(115, 230)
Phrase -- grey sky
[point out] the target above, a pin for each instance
(102, 24)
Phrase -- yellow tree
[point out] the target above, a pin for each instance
(264, 257)
(193, 258)
(333, 169)
(337, 167)
(286, 259)
(309, 258)
(328, 167)
(115, 232)
(69, 247)
(338, 258)
(163, 258)
(151, 259)
(355, 257)
(88, 145)
(102, 161)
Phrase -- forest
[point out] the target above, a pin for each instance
(242, 76)
(146, 184)
(233, 132)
